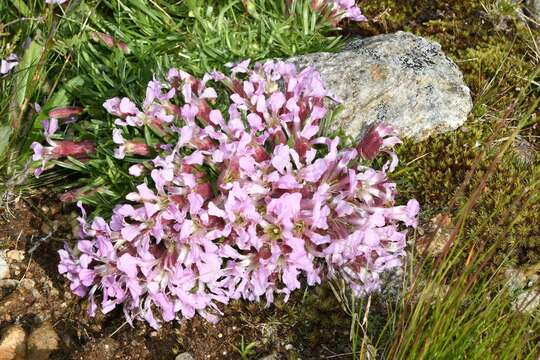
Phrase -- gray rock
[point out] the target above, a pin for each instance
(184, 356)
(523, 286)
(533, 6)
(42, 342)
(400, 79)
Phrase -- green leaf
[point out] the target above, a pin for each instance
(73, 164)
(25, 82)
(5, 134)
(21, 7)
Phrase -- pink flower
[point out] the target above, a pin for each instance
(66, 148)
(109, 41)
(245, 203)
(120, 107)
(136, 170)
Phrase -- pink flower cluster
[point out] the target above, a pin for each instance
(246, 201)
(338, 10)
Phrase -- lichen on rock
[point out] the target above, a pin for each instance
(400, 79)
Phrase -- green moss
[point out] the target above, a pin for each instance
(438, 167)
(496, 52)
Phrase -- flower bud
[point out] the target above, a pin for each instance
(65, 112)
(204, 144)
(370, 145)
(301, 146)
(205, 190)
(260, 154)
(110, 41)
(279, 137)
(137, 147)
(66, 148)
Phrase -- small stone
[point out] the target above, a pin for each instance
(437, 234)
(528, 301)
(289, 347)
(15, 255)
(13, 344)
(525, 151)
(533, 6)
(273, 356)
(45, 228)
(516, 279)
(54, 292)
(42, 341)
(55, 208)
(527, 298)
(28, 284)
(42, 317)
(184, 356)
(4, 268)
(9, 283)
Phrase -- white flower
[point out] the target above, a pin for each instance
(9, 63)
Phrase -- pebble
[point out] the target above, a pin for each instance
(42, 341)
(55, 208)
(9, 283)
(184, 356)
(54, 292)
(28, 284)
(270, 357)
(45, 228)
(13, 344)
(4, 268)
(15, 255)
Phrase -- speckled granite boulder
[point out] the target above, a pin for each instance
(400, 79)
(534, 8)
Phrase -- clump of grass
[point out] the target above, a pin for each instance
(434, 181)
(496, 64)
(195, 35)
(457, 304)
(24, 29)
(66, 61)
